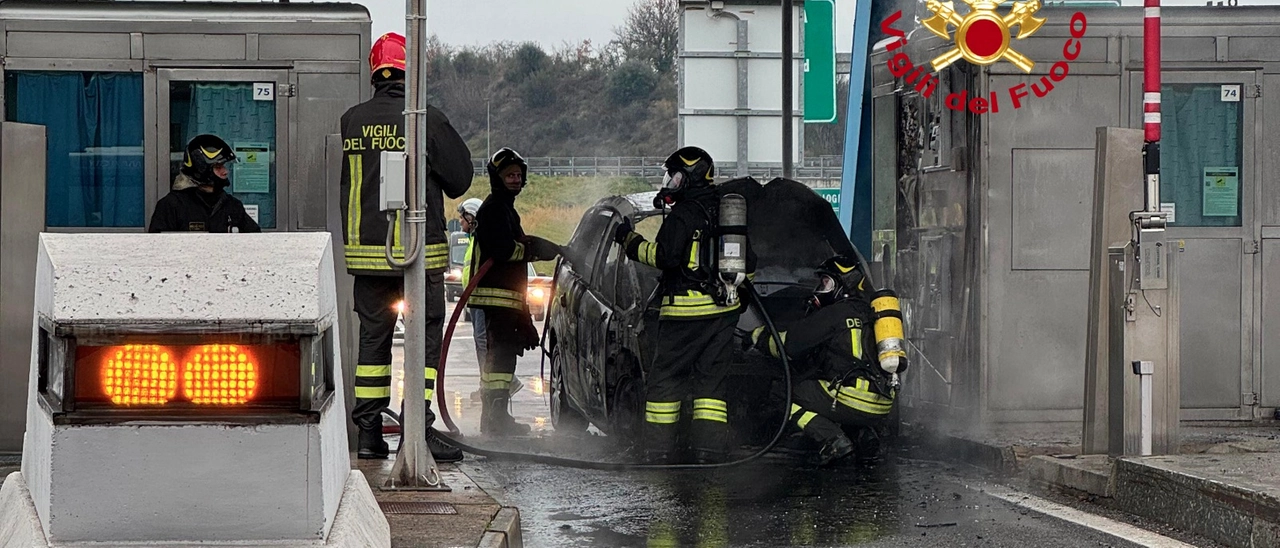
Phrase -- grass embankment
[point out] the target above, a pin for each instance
(550, 207)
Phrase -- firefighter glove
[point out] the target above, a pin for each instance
(541, 249)
(624, 229)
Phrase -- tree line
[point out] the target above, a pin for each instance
(583, 99)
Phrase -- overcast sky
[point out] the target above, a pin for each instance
(553, 22)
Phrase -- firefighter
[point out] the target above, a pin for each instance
(368, 129)
(467, 214)
(696, 324)
(500, 294)
(840, 384)
(198, 201)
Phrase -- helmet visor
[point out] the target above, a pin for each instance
(673, 181)
(826, 284)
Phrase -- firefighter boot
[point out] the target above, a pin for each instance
(834, 449)
(372, 446)
(495, 420)
(441, 451)
(867, 446)
(707, 456)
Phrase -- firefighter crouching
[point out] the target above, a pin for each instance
(500, 293)
(368, 129)
(696, 323)
(841, 384)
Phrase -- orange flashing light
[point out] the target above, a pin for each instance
(138, 374)
(220, 374)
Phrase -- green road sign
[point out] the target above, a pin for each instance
(819, 61)
(831, 195)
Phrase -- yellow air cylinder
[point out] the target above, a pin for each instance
(888, 330)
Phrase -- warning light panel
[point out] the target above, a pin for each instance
(206, 375)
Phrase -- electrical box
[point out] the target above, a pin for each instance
(392, 185)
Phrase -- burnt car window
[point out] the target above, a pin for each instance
(584, 247)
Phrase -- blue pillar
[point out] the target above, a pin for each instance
(855, 181)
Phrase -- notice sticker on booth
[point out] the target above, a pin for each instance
(252, 170)
(264, 91)
(252, 210)
(1221, 192)
(1169, 209)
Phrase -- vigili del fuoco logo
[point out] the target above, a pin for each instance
(982, 37)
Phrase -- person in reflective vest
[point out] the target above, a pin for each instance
(839, 385)
(368, 129)
(695, 328)
(500, 294)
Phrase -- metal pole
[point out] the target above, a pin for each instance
(788, 9)
(415, 468)
(1151, 102)
(488, 132)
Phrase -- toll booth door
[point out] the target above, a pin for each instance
(243, 107)
(1208, 184)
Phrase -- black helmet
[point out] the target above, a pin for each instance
(688, 168)
(204, 152)
(502, 159)
(838, 278)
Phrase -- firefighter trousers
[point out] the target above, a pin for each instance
(375, 298)
(821, 412)
(692, 358)
(503, 344)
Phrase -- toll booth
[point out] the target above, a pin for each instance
(118, 89)
(981, 213)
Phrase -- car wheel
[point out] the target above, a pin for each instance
(563, 417)
(626, 409)
(466, 315)
(450, 296)
(541, 315)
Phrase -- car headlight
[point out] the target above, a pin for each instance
(538, 293)
(399, 306)
(456, 273)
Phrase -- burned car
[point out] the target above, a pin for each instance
(603, 312)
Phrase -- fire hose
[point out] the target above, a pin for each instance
(595, 465)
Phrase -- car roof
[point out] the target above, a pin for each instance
(637, 206)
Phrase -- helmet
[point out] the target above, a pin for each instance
(838, 278)
(470, 206)
(386, 58)
(204, 152)
(688, 168)
(500, 161)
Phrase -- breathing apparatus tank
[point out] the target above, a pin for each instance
(732, 256)
(888, 330)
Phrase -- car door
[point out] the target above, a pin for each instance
(584, 251)
(596, 312)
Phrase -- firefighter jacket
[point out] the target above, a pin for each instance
(368, 129)
(498, 237)
(189, 209)
(685, 252)
(837, 346)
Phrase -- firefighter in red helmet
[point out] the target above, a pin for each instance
(368, 129)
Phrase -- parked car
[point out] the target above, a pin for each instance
(458, 242)
(603, 317)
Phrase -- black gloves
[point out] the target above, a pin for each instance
(624, 229)
(540, 249)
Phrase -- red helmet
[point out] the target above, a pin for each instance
(387, 53)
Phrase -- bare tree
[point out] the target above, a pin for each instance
(651, 33)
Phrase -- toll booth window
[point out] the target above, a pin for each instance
(228, 110)
(1200, 156)
(94, 143)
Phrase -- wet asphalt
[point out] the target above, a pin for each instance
(775, 501)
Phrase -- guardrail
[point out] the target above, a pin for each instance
(815, 169)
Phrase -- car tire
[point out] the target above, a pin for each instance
(626, 409)
(564, 418)
(466, 315)
(541, 315)
(450, 296)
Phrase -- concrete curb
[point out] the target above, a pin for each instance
(504, 530)
(1243, 515)
(1230, 514)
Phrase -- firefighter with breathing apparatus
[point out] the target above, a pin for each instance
(847, 353)
(500, 294)
(703, 254)
(368, 129)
